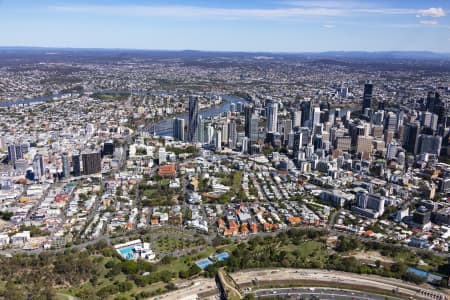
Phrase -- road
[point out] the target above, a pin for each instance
(321, 293)
(278, 275)
(322, 278)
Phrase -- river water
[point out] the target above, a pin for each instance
(165, 127)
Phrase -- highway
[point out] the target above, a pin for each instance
(321, 293)
(277, 276)
(318, 278)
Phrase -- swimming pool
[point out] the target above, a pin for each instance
(127, 253)
(203, 263)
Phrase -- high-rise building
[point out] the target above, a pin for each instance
(223, 127)
(209, 133)
(364, 144)
(232, 134)
(65, 165)
(245, 142)
(372, 202)
(193, 120)
(285, 127)
(344, 143)
(316, 117)
(435, 105)
(391, 152)
(178, 129)
(201, 130)
(92, 162)
(38, 166)
(391, 122)
(108, 148)
(248, 111)
(298, 143)
(429, 144)
(272, 116)
(367, 96)
(14, 153)
(296, 118)
(162, 155)
(76, 164)
(254, 129)
(411, 137)
(218, 139)
(306, 113)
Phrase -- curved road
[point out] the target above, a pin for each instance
(318, 277)
(321, 293)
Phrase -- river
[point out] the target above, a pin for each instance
(165, 126)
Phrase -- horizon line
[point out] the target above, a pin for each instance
(224, 51)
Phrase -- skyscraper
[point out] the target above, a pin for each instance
(367, 96)
(435, 105)
(218, 139)
(254, 129)
(65, 165)
(76, 163)
(296, 118)
(178, 129)
(38, 166)
(411, 137)
(108, 148)
(201, 130)
(298, 143)
(14, 153)
(232, 134)
(272, 116)
(91, 162)
(193, 121)
(391, 122)
(429, 144)
(316, 117)
(248, 110)
(306, 112)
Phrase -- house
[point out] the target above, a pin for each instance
(221, 224)
(294, 220)
(267, 227)
(254, 228)
(244, 229)
(4, 240)
(154, 220)
(167, 170)
(20, 238)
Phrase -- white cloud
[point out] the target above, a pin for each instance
(435, 12)
(429, 22)
(304, 8)
(197, 11)
(329, 26)
(326, 4)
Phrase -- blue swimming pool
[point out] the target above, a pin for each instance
(203, 263)
(127, 253)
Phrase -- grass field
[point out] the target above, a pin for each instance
(169, 243)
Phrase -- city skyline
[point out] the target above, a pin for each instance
(253, 26)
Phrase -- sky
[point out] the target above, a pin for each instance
(229, 25)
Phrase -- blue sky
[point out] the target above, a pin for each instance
(245, 25)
